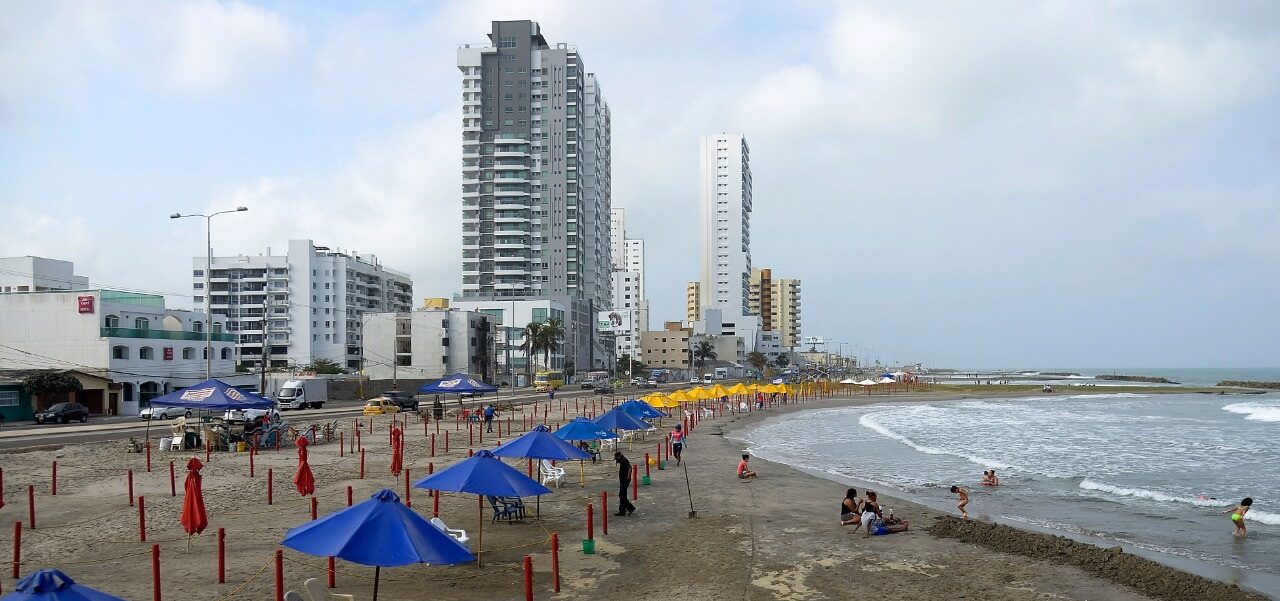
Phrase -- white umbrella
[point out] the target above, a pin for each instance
(848, 381)
(887, 380)
(867, 382)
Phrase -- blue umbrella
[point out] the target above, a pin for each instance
(52, 585)
(641, 410)
(378, 532)
(617, 419)
(540, 443)
(581, 428)
(482, 474)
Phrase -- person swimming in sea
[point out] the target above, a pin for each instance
(1237, 516)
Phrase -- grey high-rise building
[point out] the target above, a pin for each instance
(535, 184)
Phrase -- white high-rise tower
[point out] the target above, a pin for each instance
(725, 182)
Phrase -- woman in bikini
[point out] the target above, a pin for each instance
(851, 510)
(1237, 516)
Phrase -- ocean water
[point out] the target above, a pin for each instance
(1149, 472)
(1197, 376)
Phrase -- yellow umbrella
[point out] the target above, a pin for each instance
(698, 393)
(739, 389)
(657, 400)
(753, 387)
(785, 390)
(769, 388)
(678, 397)
(718, 391)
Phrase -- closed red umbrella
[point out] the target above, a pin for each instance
(397, 450)
(194, 518)
(304, 479)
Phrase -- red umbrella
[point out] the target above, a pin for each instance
(194, 518)
(397, 451)
(304, 479)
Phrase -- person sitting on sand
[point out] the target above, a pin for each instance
(1237, 516)
(870, 512)
(964, 500)
(743, 472)
(851, 510)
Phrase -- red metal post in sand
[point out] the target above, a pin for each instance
(315, 508)
(148, 456)
(604, 513)
(17, 548)
(270, 479)
(142, 519)
(528, 578)
(635, 482)
(435, 504)
(130, 477)
(222, 555)
(555, 561)
(173, 482)
(251, 461)
(646, 465)
(53, 482)
(333, 574)
(342, 444)
(348, 496)
(591, 527)
(446, 441)
(362, 464)
(408, 494)
(433, 445)
(155, 571)
(279, 575)
(31, 507)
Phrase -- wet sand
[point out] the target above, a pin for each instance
(776, 537)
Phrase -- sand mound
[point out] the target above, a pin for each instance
(1148, 577)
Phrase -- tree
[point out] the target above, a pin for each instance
(782, 361)
(702, 352)
(326, 366)
(757, 360)
(531, 345)
(629, 366)
(552, 333)
(49, 383)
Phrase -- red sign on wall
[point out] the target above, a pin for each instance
(168, 353)
(85, 304)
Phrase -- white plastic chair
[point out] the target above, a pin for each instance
(293, 596)
(318, 592)
(457, 533)
(708, 412)
(551, 473)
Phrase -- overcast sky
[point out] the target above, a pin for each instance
(966, 184)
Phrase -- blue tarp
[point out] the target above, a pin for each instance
(456, 384)
(213, 395)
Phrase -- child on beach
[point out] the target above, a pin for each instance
(743, 472)
(964, 500)
(1237, 516)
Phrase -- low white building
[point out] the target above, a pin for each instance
(428, 343)
(308, 303)
(132, 339)
(511, 317)
(38, 274)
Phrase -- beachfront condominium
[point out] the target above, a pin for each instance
(725, 194)
(535, 188)
(628, 287)
(777, 302)
(307, 304)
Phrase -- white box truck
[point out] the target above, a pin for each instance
(302, 394)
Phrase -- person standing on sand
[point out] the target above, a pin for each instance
(624, 480)
(964, 500)
(1237, 516)
(677, 441)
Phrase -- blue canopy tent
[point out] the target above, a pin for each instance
(211, 395)
(378, 532)
(459, 384)
(482, 474)
(53, 585)
(581, 428)
(540, 443)
(640, 410)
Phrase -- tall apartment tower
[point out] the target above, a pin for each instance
(725, 182)
(628, 284)
(535, 184)
(777, 302)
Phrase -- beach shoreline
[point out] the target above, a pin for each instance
(777, 537)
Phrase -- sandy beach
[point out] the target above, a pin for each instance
(777, 537)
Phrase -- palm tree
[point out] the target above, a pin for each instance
(758, 361)
(702, 352)
(531, 345)
(552, 332)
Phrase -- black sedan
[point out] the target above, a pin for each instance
(604, 388)
(62, 413)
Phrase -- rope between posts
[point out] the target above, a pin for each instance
(246, 582)
(113, 558)
(386, 578)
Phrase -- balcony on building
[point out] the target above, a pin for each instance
(150, 334)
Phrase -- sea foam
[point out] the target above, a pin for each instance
(1259, 412)
(868, 421)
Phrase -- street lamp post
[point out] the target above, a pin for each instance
(208, 291)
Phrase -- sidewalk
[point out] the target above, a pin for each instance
(139, 424)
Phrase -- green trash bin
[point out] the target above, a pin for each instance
(644, 480)
(662, 465)
(588, 546)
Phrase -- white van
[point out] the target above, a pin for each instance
(708, 379)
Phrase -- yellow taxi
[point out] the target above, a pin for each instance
(380, 406)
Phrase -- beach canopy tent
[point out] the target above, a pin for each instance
(53, 585)
(884, 380)
(617, 419)
(640, 409)
(886, 375)
(213, 395)
(458, 383)
(483, 474)
(379, 532)
(581, 428)
(540, 443)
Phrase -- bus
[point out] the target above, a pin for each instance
(548, 380)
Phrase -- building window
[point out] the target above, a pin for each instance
(9, 398)
(142, 323)
(188, 353)
(119, 352)
(444, 342)
(112, 321)
(226, 353)
(146, 353)
(197, 326)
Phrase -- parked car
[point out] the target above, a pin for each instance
(695, 380)
(62, 413)
(604, 388)
(588, 384)
(253, 416)
(649, 384)
(380, 406)
(404, 400)
(149, 413)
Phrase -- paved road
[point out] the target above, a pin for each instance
(122, 427)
